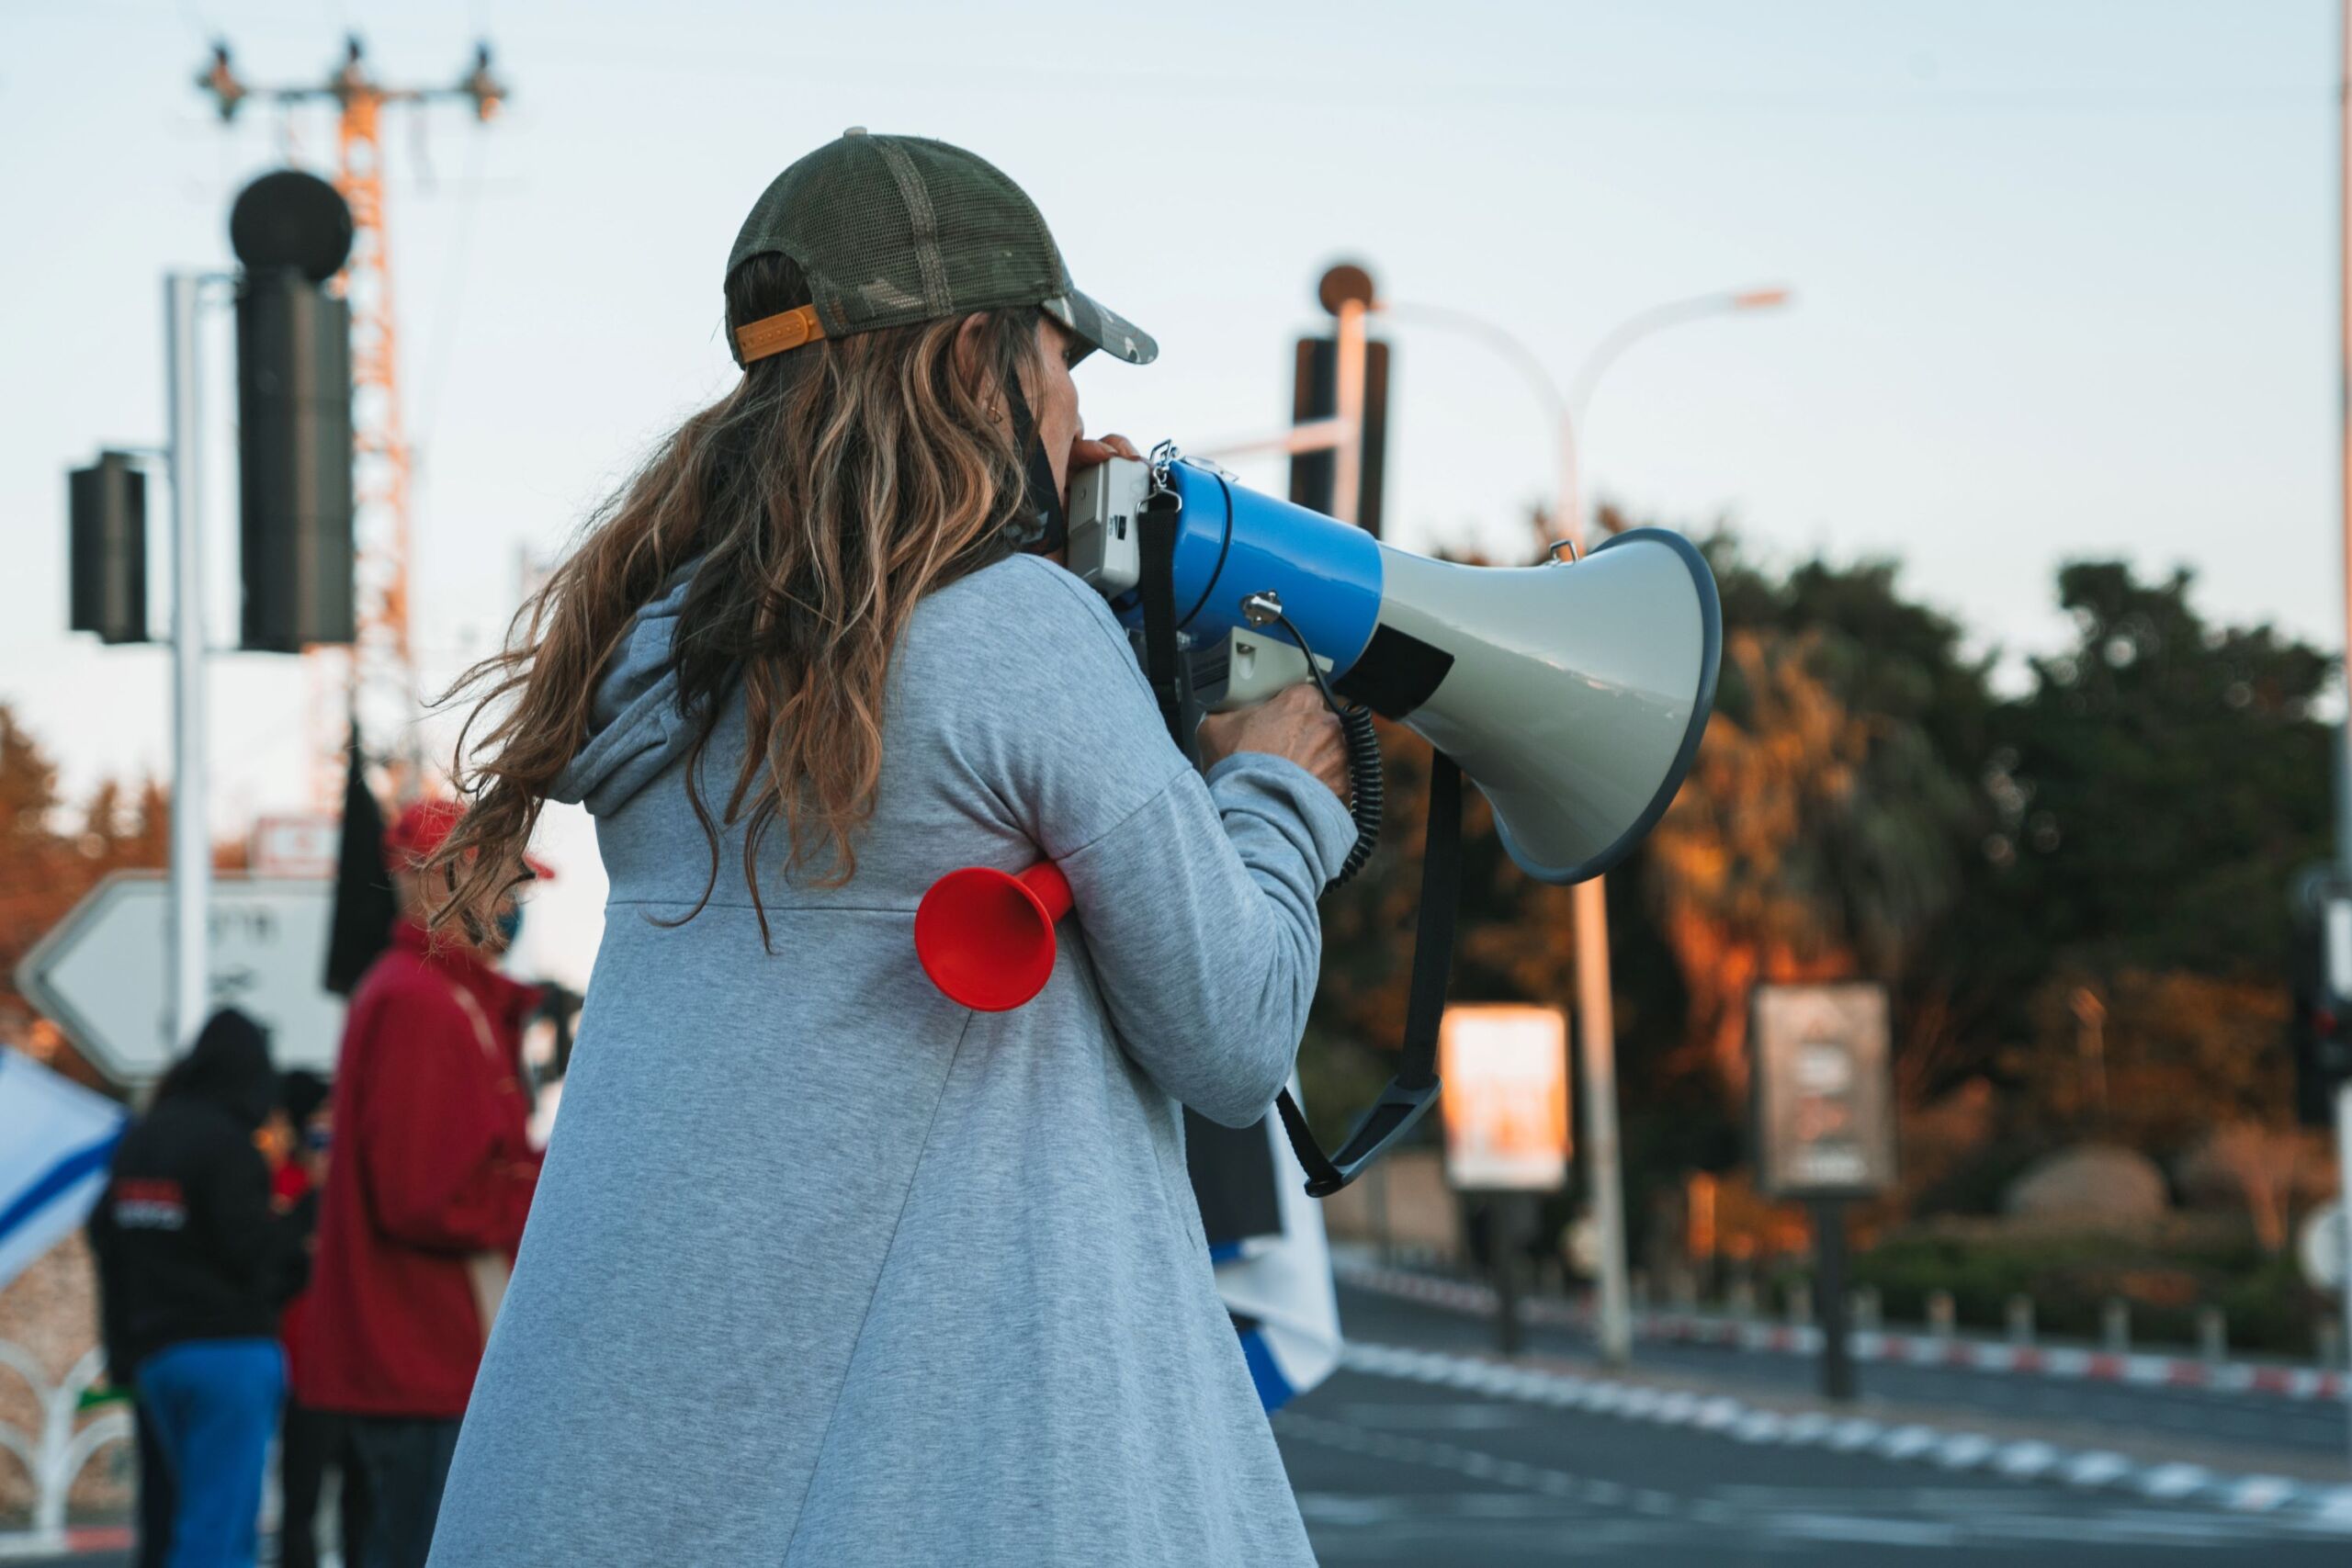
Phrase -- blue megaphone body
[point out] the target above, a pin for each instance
(1573, 693)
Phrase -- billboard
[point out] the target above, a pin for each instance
(1822, 1090)
(1506, 1099)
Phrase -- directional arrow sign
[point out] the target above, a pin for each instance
(103, 973)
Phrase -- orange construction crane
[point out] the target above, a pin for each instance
(381, 669)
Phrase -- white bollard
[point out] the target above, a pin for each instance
(2020, 1320)
(2212, 1333)
(1942, 1316)
(1682, 1288)
(1800, 1303)
(2115, 1325)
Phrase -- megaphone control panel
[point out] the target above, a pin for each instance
(1105, 525)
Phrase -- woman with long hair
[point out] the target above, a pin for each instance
(824, 1269)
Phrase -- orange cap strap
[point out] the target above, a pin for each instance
(776, 335)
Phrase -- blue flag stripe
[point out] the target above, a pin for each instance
(58, 1180)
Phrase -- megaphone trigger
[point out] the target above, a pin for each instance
(1367, 788)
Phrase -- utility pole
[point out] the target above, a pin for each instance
(2344, 500)
(191, 851)
(381, 665)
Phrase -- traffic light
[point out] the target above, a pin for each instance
(106, 544)
(1315, 394)
(294, 447)
(292, 231)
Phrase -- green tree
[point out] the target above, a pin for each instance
(2155, 791)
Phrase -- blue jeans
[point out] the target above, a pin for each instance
(215, 1404)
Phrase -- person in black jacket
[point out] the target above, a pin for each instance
(195, 1262)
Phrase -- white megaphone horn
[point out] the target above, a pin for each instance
(1573, 693)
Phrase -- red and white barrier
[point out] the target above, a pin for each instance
(1914, 1350)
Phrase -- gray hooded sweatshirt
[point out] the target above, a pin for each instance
(825, 1269)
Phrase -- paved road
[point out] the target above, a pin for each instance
(1395, 1472)
(2263, 1430)
(1391, 1471)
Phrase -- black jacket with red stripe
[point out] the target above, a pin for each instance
(189, 1243)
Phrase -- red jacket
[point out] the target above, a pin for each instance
(432, 1167)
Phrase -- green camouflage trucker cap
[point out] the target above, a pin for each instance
(896, 229)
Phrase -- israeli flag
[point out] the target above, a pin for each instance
(56, 1138)
(1273, 1265)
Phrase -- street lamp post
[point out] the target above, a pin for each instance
(2344, 503)
(191, 846)
(1596, 1013)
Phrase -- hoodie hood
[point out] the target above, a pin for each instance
(227, 1068)
(635, 728)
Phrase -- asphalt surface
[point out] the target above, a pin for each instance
(2256, 1430)
(1392, 1472)
(1396, 1471)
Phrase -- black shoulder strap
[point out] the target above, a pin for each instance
(1412, 1090)
(1157, 530)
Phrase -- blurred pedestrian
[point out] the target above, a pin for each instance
(196, 1260)
(151, 1506)
(312, 1442)
(826, 1269)
(426, 1196)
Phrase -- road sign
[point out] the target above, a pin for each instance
(1823, 1090)
(297, 846)
(1506, 1101)
(102, 972)
(2321, 1245)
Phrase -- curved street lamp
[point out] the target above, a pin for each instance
(1596, 1020)
(1565, 410)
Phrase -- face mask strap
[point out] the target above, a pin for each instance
(1043, 525)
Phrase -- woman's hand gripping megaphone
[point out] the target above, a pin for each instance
(1295, 723)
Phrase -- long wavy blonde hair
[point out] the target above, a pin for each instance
(823, 497)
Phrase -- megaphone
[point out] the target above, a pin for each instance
(1572, 694)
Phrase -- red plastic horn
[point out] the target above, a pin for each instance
(987, 938)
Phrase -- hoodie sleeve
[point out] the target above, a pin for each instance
(1195, 897)
(433, 1155)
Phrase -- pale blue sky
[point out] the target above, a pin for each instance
(2064, 268)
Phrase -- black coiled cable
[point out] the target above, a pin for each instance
(1367, 783)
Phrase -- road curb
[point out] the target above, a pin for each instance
(1957, 1450)
(1911, 1350)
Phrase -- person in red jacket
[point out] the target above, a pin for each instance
(425, 1200)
